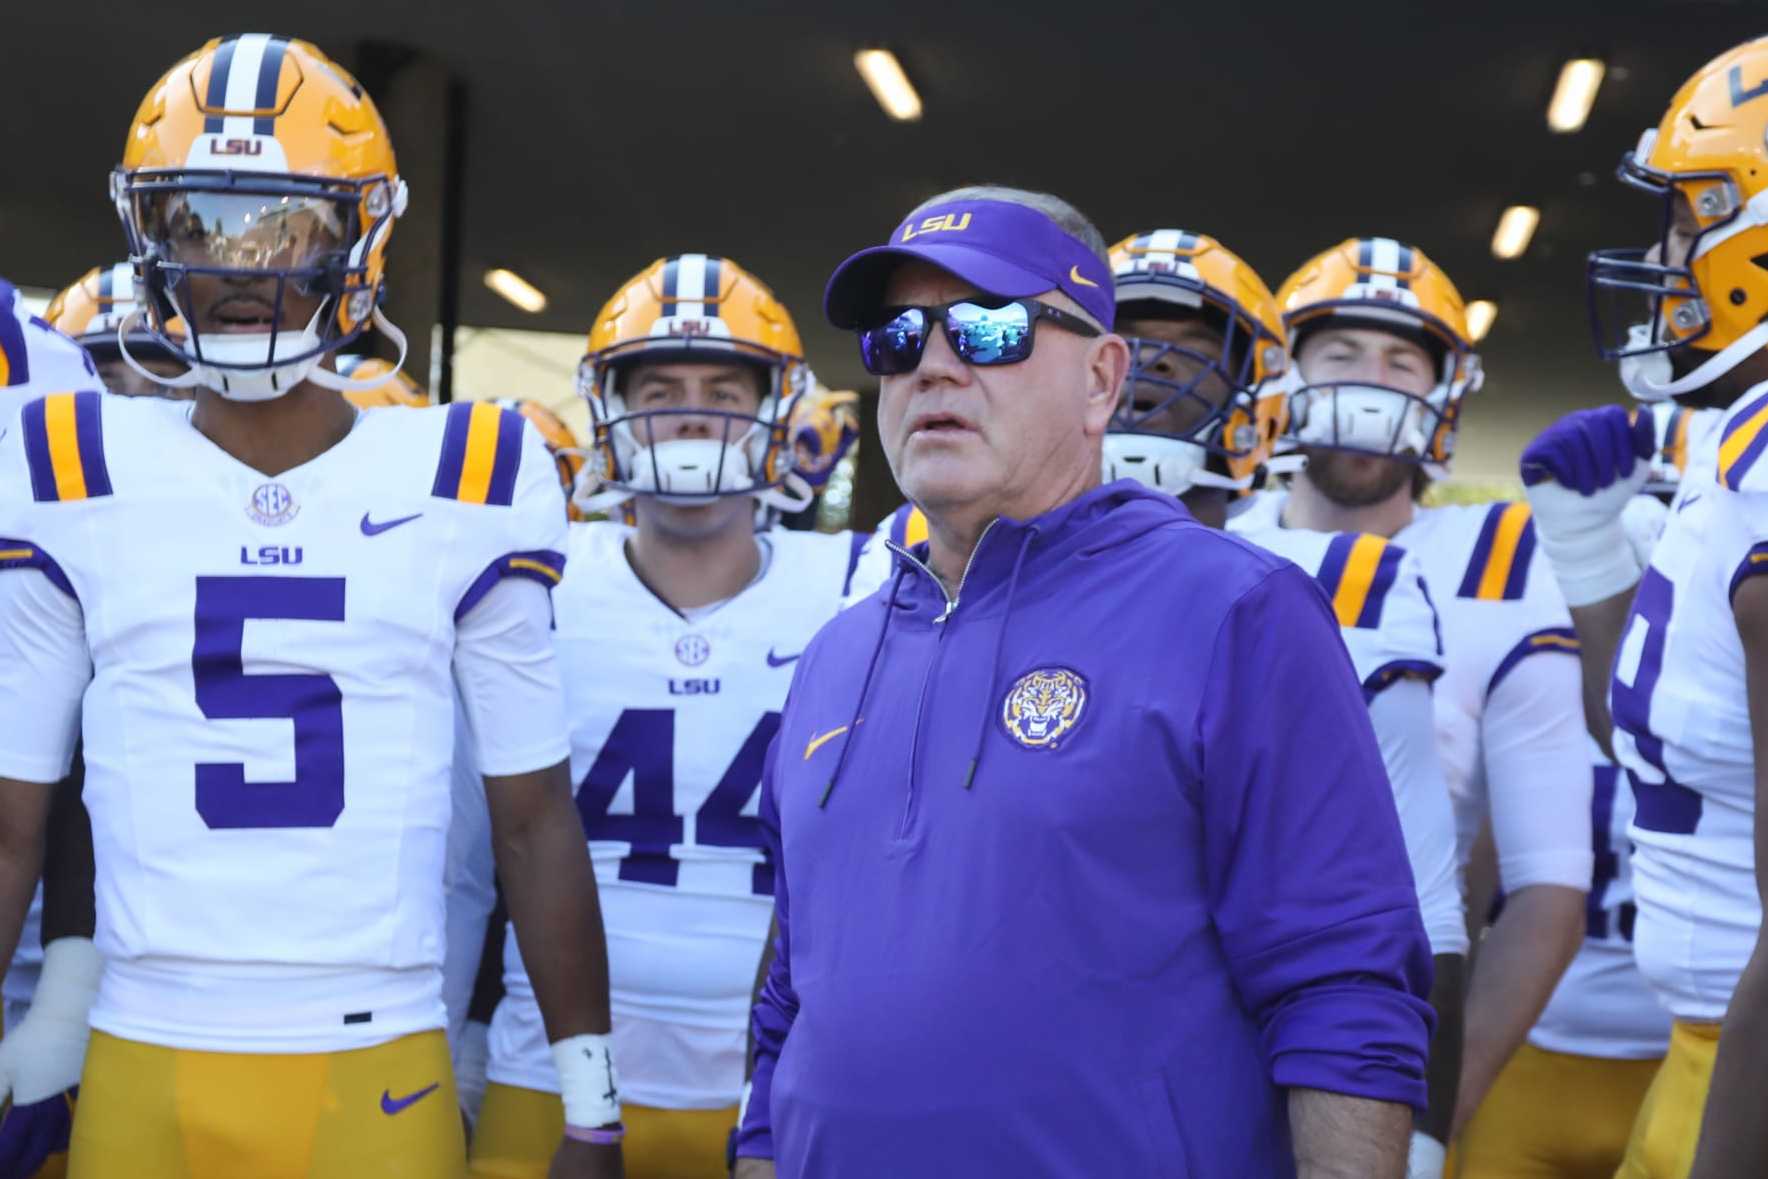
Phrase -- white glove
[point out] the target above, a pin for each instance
(1579, 476)
(1426, 1158)
(43, 1056)
(472, 1052)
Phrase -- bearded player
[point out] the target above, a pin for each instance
(678, 643)
(264, 601)
(1380, 338)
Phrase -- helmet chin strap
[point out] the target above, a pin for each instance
(336, 380)
(1650, 377)
(268, 383)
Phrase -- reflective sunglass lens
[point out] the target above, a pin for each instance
(990, 335)
(895, 346)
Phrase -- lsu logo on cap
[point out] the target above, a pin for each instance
(1043, 705)
(941, 223)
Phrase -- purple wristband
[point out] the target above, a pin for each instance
(608, 1137)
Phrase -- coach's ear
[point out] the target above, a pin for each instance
(1108, 363)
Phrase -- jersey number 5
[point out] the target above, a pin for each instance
(312, 701)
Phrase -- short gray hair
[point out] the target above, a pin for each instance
(1070, 219)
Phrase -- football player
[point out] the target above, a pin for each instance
(1564, 1106)
(1685, 701)
(1380, 338)
(36, 359)
(90, 311)
(264, 602)
(678, 642)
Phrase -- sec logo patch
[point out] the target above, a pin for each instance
(1044, 705)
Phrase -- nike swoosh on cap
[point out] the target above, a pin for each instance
(1075, 276)
(781, 660)
(391, 1105)
(371, 528)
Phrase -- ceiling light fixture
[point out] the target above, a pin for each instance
(516, 289)
(1516, 228)
(889, 85)
(1574, 94)
(1480, 314)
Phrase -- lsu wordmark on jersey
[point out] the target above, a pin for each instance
(670, 717)
(267, 666)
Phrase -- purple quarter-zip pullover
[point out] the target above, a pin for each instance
(1077, 873)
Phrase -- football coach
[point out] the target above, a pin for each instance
(1086, 862)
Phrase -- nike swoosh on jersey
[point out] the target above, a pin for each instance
(822, 739)
(391, 1105)
(1688, 503)
(372, 528)
(781, 660)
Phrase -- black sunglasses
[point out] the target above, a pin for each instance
(980, 333)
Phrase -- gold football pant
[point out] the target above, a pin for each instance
(149, 1112)
(519, 1129)
(1668, 1127)
(1551, 1115)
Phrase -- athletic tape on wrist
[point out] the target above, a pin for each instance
(588, 1085)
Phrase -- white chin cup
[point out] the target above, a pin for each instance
(688, 470)
(1362, 417)
(1172, 465)
(1650, 377)
(265, 384)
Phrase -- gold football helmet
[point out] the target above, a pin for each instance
(693, 308)
(1700, 291)
(260, 163)
(1377, 282)
(1187, 418)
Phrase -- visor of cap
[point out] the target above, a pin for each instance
(856, 289)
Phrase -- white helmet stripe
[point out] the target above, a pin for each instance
(690, 286)
(242, 82)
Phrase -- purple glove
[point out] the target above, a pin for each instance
(29, 1134)
(1589, 449)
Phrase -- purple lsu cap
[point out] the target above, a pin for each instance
(998, 247)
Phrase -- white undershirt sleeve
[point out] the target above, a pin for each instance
(44, 669)
(1405, 729)
(507, 674)
(1538, 774)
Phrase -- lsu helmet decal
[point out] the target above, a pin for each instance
(1043, 706)
(694, 308)
(1190, 416)
(1700, 290)
(1377, 282)
(258, 163)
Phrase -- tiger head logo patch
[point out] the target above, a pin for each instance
(1043, 705)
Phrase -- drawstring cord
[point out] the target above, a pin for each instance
(994, 673)
(865, 685)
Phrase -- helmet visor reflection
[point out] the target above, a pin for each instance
(244, 231)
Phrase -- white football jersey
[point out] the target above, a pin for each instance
(1390, 629)
(35, 359)
(1499, 606)
(670, 720)
(268, 725)
(1682, 728)
(1602, 1005)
